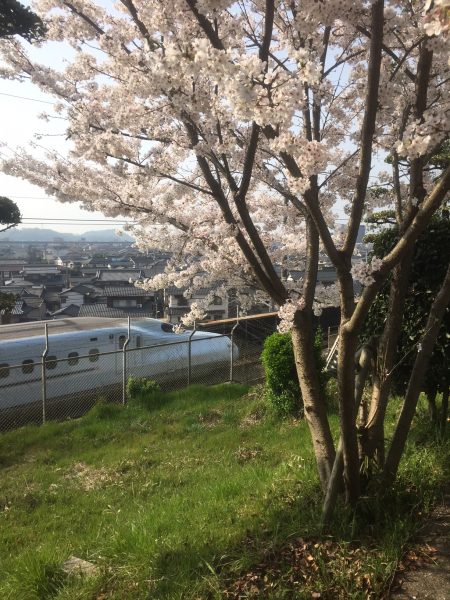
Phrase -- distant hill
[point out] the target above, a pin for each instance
(36, 234)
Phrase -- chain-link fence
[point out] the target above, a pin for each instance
(65, 380)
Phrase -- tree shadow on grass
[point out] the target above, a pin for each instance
(284, 553)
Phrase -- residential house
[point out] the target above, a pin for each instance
(78, 295)
(30, 304)
(10, 268)
(123, 297)
(176, 304)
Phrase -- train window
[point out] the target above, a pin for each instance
(138, 341)
(51, 362)
(93, 355)
(4, 370)
(167, 327)
(27, 366)
(73, 358)
(122, 340)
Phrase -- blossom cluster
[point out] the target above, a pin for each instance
(437, 17)
(160, 113)
(286, 313)
(363, 272)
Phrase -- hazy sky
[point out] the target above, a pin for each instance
(19, 124)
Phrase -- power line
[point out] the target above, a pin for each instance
(72, 224)
(77, 220)
(26, 98)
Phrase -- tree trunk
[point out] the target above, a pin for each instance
(373, 432)
(348, 341)
(364, 361)
(429, 337)
(313, 400)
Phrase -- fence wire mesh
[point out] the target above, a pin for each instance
(64, 382)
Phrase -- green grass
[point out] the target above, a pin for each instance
(179, 500)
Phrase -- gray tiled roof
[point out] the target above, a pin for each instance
(99, 310)
(72, 310)
(155, 269)
(119, 275)
(102, 310)
(115, 291)
(81, 288)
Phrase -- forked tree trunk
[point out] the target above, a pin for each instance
(313, 400)
(429, 337)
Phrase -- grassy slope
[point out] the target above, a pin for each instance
(170, 503)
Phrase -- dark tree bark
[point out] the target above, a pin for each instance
(372, 438)
(363, 364)
(434, 321)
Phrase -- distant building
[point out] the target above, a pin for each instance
(10, 268)
(176, 304)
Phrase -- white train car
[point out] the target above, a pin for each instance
(83, 356)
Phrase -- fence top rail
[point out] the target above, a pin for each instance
(234, 319)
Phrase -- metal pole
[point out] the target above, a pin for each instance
(190, 353)
(44, 376)
(232, 346)
(124, 364)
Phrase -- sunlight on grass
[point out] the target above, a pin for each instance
(168, 502)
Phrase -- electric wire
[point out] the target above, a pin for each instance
(25, 98)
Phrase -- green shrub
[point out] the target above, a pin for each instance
(332, 394)
(143, 390)
(282, 387)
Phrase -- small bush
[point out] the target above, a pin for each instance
(141, 385)
(146, 391)
(282, 387)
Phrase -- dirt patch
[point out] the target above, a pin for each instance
(244, 454)
(90, 478)
(210, 419)
(424, 572)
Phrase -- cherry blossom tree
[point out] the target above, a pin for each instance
(233, 132)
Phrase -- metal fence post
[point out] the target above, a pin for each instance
(232, 348)
(44, 376)
(190, 353)
(124, 364)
